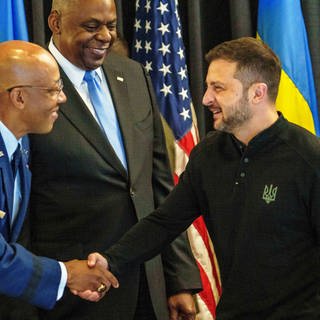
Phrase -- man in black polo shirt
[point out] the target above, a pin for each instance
(256, 180)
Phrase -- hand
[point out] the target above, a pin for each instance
(97, 258)
(93, 260)
(182, 307)
(85, 276)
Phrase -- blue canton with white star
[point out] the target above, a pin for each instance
(159, 47)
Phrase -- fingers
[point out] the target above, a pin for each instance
(110, 279)
(182, 307)
(97, 258)
(82, 278)
(89, 295)
(102, 288)
(173, 314)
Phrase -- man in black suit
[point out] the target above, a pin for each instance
(257, 181)
(93, 190)
(30, 94)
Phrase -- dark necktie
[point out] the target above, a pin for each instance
(15, 162)
(106, 115)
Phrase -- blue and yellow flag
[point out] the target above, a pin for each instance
(13, 25)
(281, 26)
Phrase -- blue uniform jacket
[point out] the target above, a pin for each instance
(24, 275)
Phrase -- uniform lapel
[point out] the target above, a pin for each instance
(25, 184)
(7, 185)
(81, 118)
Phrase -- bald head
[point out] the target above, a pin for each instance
(23, 63)
(30, 88)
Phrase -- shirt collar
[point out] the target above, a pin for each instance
(74, 73)
(269, 133)
(263, 137)
(10, 141)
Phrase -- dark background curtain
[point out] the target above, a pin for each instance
(205, 23)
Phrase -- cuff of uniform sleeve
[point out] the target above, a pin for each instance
(63, 280)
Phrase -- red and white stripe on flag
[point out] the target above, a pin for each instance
(199, 238)
(159, 47)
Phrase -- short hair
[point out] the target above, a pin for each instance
(57, 4)
(61, 4)
(256, 62)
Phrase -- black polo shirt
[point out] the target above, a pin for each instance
(261, 204)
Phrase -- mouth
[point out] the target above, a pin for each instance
(54, 113)
(98, 52)
(216, 112)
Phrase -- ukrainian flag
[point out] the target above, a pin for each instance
(281, 26)
(13, 25)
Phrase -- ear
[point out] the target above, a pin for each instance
(54, 22)
(258, 92)
(17, 98)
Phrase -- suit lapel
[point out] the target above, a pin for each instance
(119, 91)
(78, 114)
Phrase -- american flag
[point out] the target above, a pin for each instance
(158, 45)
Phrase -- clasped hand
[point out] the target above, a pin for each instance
(90, 279)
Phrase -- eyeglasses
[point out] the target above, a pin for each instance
(52, 91)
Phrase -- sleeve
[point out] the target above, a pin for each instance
(63, 280)
(315, 206)
(29, 277)
(156, 231)
(180, 269)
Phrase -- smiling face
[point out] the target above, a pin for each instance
(41, 102)
(225, 97)
(83, 31)
(30, 88)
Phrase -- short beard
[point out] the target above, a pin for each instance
(239, 116)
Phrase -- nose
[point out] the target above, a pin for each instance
(62, 98)
(208, 98)
(104, 34)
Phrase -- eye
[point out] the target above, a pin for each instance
(217, 88)
(91, 27)
(54, 91)
(112, 26)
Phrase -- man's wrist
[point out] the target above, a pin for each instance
(63, 280)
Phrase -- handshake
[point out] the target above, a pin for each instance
(90, 279)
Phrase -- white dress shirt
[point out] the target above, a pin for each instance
(76, 75)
